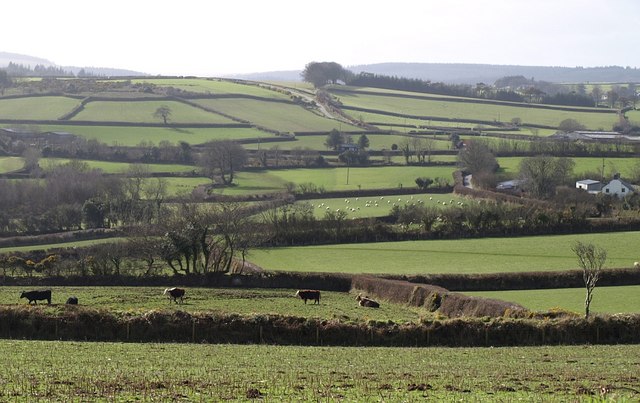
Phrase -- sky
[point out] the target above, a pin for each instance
(222, 37)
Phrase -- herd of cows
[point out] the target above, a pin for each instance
(176, 295)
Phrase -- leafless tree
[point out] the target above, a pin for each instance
(591, 259)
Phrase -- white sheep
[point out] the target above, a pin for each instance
(636, 265)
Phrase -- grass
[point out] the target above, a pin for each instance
(76, 371)
(40, 108)
(48, 247)
(623, 166)
(213, 86)
(143, 111)
(274, 115)
(333, 305)
(622, 299)
(377, 142)
(379, 206)
(477, 111)
(118, 167)
(8, 164)
(132, 136)
(487, 255)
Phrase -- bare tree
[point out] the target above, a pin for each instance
(591, 259)
(222, 159)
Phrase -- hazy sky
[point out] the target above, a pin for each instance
(209, 38)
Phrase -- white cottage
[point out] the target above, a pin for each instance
(617, 187)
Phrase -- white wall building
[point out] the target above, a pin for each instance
(617, 187)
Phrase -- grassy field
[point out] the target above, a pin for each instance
(213, 86)
(377, 142)
(117, 167)
(41, 108)
(274, 115)
(623, 299)
(73, 371)
(624, 166)
(142, 112)
(46, 247)
(8, 164)
(132, 136)
(333, 305)
(378, 206)
(488, 255)
(477, 111)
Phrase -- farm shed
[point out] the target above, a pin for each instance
(590, 185)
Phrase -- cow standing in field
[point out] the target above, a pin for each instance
(309, 294)
(367, 302)
(35, 296)
(174, 294)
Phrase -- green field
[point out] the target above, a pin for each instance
(333, 305)
(132, 136)
(278, 116)
(214, 86)
(40, 108)
(8, 164)
(276, 180)
(511, 165)
(378, 206)
(477, 111)
(142, 112)
(117, 167)
(487, 255)
(72, 371)
(621, 299)
(77, 244)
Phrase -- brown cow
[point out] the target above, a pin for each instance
(174, 294)
(367, 302)
(309, 294)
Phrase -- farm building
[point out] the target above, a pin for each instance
(593, 136)
(590, 185)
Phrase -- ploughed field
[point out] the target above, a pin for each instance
(64, 371)
(340, 306)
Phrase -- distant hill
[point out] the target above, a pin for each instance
(459, 73)
(31, 61)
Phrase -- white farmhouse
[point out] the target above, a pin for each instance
(617, 187)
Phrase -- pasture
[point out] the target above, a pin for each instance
(64, 371)
(624, 166)
(37, 108)
(621, 299)
(379, 206)
(8, 164)
(117, 167)
(214, 86)
(130, 136)
(477, 111)
(283, 117)
(485, 255)
(340, 306)
(143, 112)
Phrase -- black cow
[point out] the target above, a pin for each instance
(367, 302)
(72, 300)
(309, 294)
(35, 296)
(174, 294)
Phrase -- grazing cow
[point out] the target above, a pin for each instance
(367, 302)
(309, 294)
(174, 294)
(72, 301)
(35, 296)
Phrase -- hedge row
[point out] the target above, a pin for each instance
(85, 324)
(435, 298)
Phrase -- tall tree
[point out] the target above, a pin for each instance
(322, 73)
(221, 159)
(476, 157)
(543, 173)
(334, 139)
